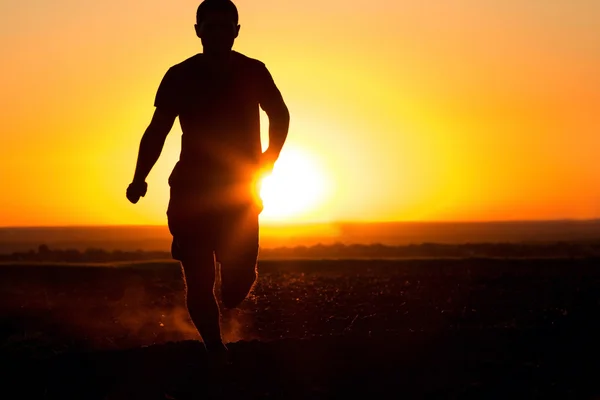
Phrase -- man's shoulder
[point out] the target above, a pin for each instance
(187, 64)
(245, 59)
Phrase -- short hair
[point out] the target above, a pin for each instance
(216, 5)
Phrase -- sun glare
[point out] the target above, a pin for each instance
(296, 186)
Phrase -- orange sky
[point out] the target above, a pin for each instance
(437, 110)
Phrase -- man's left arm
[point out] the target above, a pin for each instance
(271, 101)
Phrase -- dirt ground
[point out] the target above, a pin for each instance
(445, 328)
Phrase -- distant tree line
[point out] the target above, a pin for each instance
(339, 250)
(45, 254)
(512, 250)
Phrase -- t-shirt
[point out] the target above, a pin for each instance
(219, 116)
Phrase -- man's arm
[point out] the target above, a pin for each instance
(272, 103)
(152, 143)
(279, 123)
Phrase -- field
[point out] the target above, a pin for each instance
(449, 328)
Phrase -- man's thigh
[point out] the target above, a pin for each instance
(193, 237)
(238, 245)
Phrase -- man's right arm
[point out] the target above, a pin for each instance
(153, 140)
(166, 103)
(152, 143)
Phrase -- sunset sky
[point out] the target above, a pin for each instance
(402, 110)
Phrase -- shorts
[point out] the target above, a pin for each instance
(202, 223)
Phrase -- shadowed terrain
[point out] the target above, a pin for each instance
(447, 327)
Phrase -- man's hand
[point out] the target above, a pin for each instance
(136, 190)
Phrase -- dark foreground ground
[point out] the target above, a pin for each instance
(463, 328)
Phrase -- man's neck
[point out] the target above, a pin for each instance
(218, 58)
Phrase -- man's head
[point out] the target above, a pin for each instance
(217, 25)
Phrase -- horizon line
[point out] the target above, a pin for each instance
(333, 223)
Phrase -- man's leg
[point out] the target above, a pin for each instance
(199, 275)
(193, 246)
(238, 256)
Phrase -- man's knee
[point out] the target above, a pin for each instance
(199, 274)
(236, 285)
(200, 298)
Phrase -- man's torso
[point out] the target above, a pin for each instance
(220, 120)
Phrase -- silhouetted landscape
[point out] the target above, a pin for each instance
(158, 238)
(451, 320)
(335, 251)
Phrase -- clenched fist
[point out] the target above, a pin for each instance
(136, 190)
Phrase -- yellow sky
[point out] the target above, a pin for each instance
(437, 110)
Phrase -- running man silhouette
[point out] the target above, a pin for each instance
(214, 204)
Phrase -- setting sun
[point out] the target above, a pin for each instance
(296, 186)
(454, 111)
